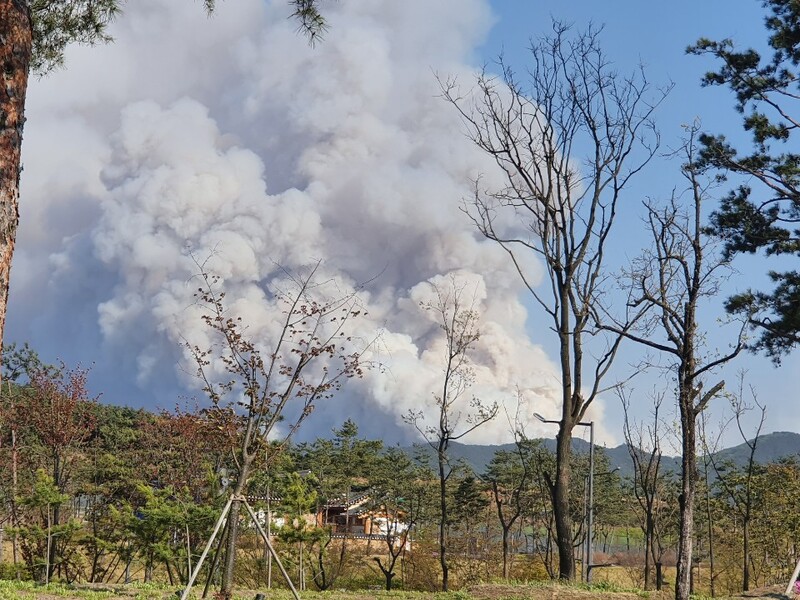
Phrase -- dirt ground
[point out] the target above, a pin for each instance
(499, 592)
(776, 591)
(503, 592)
(510, 592)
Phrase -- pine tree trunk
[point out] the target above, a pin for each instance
(15, 58)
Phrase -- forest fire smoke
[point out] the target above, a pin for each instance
(231, 138)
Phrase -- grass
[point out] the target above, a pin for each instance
(25, 590)
(28, 590)
(13, 590)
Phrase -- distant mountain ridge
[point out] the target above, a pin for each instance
(770, 448)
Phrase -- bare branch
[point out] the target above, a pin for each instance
(567, 141)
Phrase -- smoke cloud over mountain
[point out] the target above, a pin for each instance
(231, 138)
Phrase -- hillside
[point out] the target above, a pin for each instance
(771, 447)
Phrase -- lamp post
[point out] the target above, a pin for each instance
(587, 568)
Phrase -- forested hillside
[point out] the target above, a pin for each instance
(771, 448)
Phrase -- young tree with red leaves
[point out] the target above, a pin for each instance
(60, 414)
(310, 359)
(182, 448)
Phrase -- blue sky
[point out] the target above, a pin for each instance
(231, 135)
(653, 34)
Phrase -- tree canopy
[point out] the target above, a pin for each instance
(58, 23)
(764, 219)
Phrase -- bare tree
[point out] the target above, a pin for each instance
(310, 359)
(644, 448)
(670, 280)
(458, 319)
(568, 141)
(709, 447)
(740, 488)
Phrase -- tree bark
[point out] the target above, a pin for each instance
(563, 519)
(688, 486)
(442, 458)
(571, 374)
(506, 566)
(746, 555)
(230, 550)
(233, 527)
(16, 42)
(52, 547)
(648, 543)
(710, 528)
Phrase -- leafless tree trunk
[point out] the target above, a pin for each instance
(567, 140)
(458, 318)
(670, 280)
(396, 538)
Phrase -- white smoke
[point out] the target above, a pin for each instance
(230, 137)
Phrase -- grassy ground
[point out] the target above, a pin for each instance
(27, 591)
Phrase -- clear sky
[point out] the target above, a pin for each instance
(231, 135)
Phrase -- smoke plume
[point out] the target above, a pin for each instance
(229, 137)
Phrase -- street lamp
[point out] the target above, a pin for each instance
(590, 510)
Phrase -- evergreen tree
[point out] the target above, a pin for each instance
(511, 479)
(396, 500)
(748, 220)
(39, 530)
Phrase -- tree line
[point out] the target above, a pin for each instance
(101, 493)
